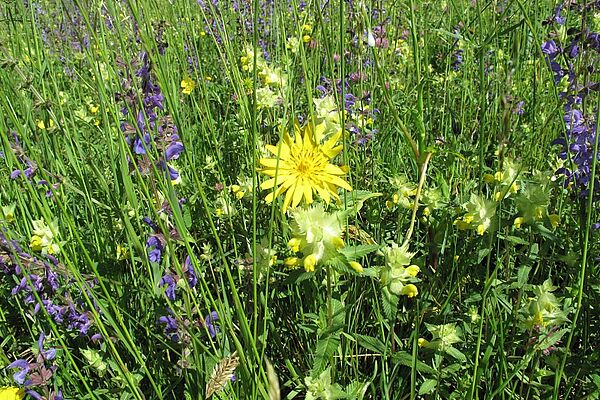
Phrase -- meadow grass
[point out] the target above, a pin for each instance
(139, 258)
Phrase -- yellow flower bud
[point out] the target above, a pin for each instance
(310, 262)
(294, 244)
(480, 229)
(518, 222)
(489, 178)
(36, 243)
(337, 242)
(356, 266)
(423, 342)
(498, 176)
(412, 270)
(409, 290)
(291, 262)
(554, 220)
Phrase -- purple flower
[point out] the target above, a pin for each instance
(20, 375)
(550, 48)
(170, 283)
(171, 329)
(190, 273)
(519, 108)
(48, 354)
(173, 151)
(209, 323)
(15, 174)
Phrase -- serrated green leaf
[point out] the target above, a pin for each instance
(326, 347)
(428, 386)
(389, 302)
(370, 343)
(404, 358)
(298, 276)
(355, 252)
(454, 352)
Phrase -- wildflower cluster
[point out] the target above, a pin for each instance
(36, 374)
(359, 114)
(43, 237)
(572, 53)
(50, 281)
(149, 132)
(272, 80)
(317, 235)
(398, 275)
(478, 217)
(30, 168)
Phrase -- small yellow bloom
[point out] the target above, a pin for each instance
(41, 124)
(36, 243)
(187, 85)
(413, 270)
(518, 222)
(291, 262)
(423, 342)
(11, 393)
(356, 266)
(338, 243)
(554, 220)
(480, 229)
(122, 252)
(409, 290)
(294, 244)
(310, 262)
(9, 212)
(306, 38)
(94, 108)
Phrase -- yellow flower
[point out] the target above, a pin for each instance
(518, 222)
(310, 262)
(409, 290)
(36, 243)
(11, 393)
(302, 167)
(187, 85)
(356, 266)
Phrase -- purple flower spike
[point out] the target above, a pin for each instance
(209, 323)
(20, 375)
(550, 48)
(174, 150)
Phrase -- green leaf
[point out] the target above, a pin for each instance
(355, 252)
(370, 343)
(523, 275)
(428, 386)
(298, 276)
(326, 347)
(454, 352)
(481, 254)
(406, 359)
(389, 302)
(356, 390)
